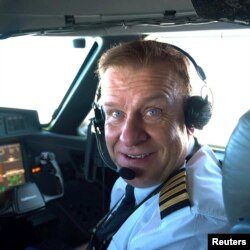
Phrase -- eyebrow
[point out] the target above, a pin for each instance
(146, 100)
(156, 97)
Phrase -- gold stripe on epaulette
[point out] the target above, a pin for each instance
(177, 176)
(174, 201)
(174, 195)
(173, 184)
(173, 191)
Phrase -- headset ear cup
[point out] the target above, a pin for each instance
(198, 112)
(99, 118)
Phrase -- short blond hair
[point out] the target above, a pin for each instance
(146, 53)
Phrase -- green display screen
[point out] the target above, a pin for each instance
(11, 166)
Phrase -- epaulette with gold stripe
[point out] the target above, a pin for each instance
(173, 194)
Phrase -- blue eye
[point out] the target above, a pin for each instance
(153, 112)
(117, 114)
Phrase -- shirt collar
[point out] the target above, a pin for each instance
(142, 193)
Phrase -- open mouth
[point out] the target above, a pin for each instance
(137, 156)
(134, 160)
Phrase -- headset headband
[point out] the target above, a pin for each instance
(198, 68)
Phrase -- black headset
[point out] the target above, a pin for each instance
(198, 110)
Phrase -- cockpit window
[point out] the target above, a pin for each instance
(37, 71)
(224, 56)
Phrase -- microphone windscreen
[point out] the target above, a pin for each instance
(127, 173)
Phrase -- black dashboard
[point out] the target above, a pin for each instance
(18, 122)
(52, 185)
(28, 179)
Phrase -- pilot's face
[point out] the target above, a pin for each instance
(144, 126)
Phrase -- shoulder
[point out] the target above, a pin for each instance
(203, 167)
(174, 194)
(197, 187)
(204, 183)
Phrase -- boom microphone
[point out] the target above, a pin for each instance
(127, 173)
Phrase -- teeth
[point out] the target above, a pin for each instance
(137, 156)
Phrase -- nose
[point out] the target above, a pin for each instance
(133, 132)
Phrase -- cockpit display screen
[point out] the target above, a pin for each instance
(11, 166)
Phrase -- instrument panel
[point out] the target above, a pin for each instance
(12, 172)
(28, 178)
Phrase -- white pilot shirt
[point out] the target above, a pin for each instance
(182, 228)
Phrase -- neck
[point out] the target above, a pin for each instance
(191, 146)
